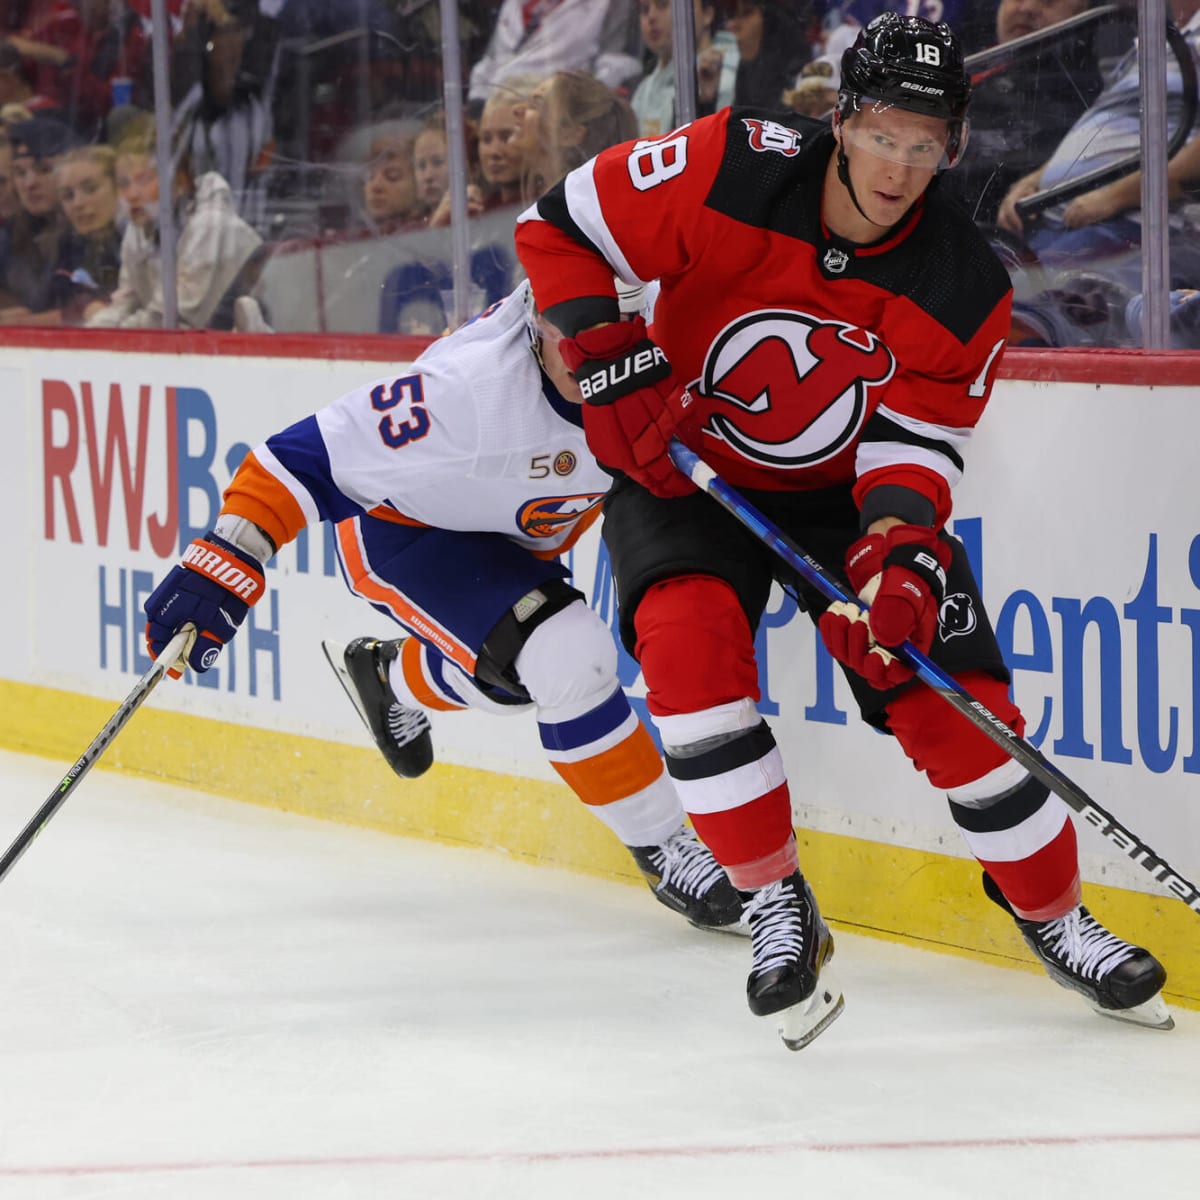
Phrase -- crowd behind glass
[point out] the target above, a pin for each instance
(310, 165)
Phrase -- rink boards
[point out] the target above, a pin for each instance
(1078, 508)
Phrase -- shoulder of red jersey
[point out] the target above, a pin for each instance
(948, 269)
(771, 176)
(630, 209)
(633, 210)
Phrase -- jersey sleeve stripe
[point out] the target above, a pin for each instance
(554, 210)
(301, 458)
(295, 488)
(582, 205)
(277, 505)
(880, 456)
(887, 425)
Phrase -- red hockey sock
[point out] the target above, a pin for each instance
(753, 842)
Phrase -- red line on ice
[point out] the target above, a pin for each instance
(534, 1157)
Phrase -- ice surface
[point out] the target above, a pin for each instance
(203, 999)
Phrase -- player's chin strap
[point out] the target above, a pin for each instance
(843, 170)
(1011, 742)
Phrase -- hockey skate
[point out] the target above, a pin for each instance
(1118, 979)
(790, 979)
(400, 732)
(684, 876)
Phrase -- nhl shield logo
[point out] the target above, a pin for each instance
(835, 260)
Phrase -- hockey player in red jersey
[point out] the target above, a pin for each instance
(455, 487)
(826, 337)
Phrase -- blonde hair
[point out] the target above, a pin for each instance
(606, 117)
(516, 90)
(137, 136)
(603, 118)
(14, 113)
(104, 157)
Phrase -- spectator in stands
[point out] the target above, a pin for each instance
(569, 118)
(816, 90)
(14, 87)
(431, 167)
(389, 189)
(431, 162)
(76, 50)
(14, 114)
(89, 256)
(213, 243)
(653, 101)
(598, 37)
(1102, 223)
(29, 247)
(1020, 109)
(501, 160)
(223, 69)
(773, 45)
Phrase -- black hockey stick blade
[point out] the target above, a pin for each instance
(175, 649)
(1011, 742)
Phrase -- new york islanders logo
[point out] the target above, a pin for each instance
(791, 390)
(547, 516)
(769, 137)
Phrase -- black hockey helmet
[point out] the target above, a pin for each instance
(913, 64)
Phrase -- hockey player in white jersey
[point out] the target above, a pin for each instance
(455, 487)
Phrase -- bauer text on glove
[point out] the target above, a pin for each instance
(632, 406)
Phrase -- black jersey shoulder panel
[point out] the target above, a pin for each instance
(945, 266)
(768, 188)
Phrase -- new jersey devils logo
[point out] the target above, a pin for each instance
(792, 389)
(956, 616)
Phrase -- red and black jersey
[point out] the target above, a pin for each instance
(812, 361)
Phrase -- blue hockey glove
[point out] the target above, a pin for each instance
(212, 588)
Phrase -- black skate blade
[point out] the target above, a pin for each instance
(806, 1021)
(335, 655)
(1151, 1014)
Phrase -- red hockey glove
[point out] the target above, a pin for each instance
(901, 575)
(632, 408)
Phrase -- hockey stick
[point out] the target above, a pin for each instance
(175, 649)
(1011, 742)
